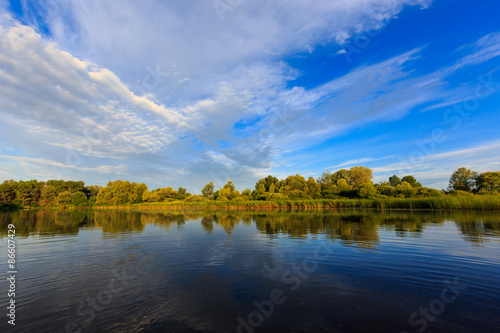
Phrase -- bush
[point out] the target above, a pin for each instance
(79, 199)
(386, 190)
(367, 191)
(460, 193)
(196, 198)
(278, 196)
(298, 195)
(425, 192)
(64, 198)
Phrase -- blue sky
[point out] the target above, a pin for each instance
(183, 93)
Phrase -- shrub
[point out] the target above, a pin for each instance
(64, 198)
(298, 195)
(196, 198)
(79, 199)
(367, 191)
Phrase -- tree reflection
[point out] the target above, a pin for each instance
(350, 227)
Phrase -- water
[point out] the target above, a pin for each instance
(322, 271)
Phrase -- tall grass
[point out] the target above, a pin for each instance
(478, 202)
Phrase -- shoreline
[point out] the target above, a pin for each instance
(482, 203)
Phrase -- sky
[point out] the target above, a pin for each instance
(181, 93)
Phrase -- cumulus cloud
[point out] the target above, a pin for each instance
(190, 36)
(68, 101)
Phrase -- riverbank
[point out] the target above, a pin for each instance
(437, 203)
(470, 202)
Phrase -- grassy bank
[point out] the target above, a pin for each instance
(437, 203)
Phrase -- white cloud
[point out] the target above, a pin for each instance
(66, 101)
(356, 162)
(168, 81)
(159, 34)
(101, 168)
(434, 170)
(481, 51)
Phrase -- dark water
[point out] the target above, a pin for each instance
(348, 271)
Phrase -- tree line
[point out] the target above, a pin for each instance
(356, 182)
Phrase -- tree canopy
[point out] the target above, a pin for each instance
(355, 182)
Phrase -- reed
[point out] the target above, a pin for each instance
(472, 202)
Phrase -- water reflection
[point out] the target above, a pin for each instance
(359, 228)
(200, 271)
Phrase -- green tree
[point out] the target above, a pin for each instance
(64, 198)
(8, 191)
(167, 194)
(341, 174)
(150, 196)
(313, 189)
(182, 193)
(425, 192)
(343, 186)
(28, 192)
(386, 190)
(411, 180)
(70, 185)
(488, 182)
(48, 196)
(223, 194)
(229, 185)
(92, 190)
(367, 190)
(328, 185)
(246, 194)
(137, 190)
(267, 183)
(463, 179)
(404, 190)
(208, 190)
(79, 199)
(295, 183)
(360, 175)
(394, 180)
(120, 192)
(228, 192)
(298, 195)
(325, 178)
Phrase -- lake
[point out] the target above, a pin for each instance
(281, 271)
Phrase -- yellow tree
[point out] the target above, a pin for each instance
(360, 175)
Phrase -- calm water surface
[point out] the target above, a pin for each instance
(323, 271)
